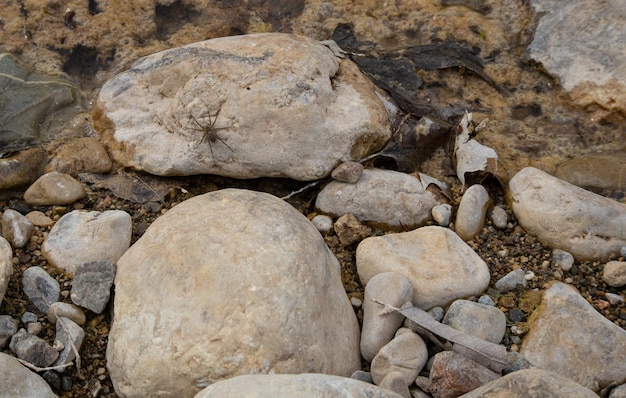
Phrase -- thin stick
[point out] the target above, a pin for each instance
(38, 369)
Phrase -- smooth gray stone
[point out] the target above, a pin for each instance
(68, 330)
(18, 381)
(511, 281)
(499, 218)
(91, 288)
(8, 327)
(33, 349)
(41, 288)
(486, 300)
(480, 320)
(28, 317)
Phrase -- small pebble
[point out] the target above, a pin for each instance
(529, 275)
(58, 345)
(441, 214)
(349, 230)
(34, 328)
(39, 219)
(323, 223)
(52, 378)
(517, 330)
(66, 383)
(562, 259)
(615, 273)
(436, 313)
(28, 317)
(349, 172)
(602, 304)
(486, 300)
(516, 315)
(511, 281)
(356, 302)
(499, 217)
(614, 299)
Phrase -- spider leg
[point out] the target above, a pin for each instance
(225, 144)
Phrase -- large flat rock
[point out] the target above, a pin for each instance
(274, 105)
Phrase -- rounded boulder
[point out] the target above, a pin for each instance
(228, 283)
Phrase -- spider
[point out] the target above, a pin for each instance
(209, 132)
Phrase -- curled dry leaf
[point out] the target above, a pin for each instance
(472, 156)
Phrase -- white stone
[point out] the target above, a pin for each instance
(281, 105)
(16, 228)
(499, 217)
(566, 217)
(441, 214)
(19, 381)
(6, 266)
(568, 336)
(384, 197)
(472, 211)
(406, 353)
(480, 320)
(614, 273)
(440, 266)
(82, 237)
(227, 283)
(294, 386)
(54, 189)
(391, 288)
(323, 223)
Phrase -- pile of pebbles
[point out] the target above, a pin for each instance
(520, 268)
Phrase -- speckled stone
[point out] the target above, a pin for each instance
(16, 228)
(54, 189)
